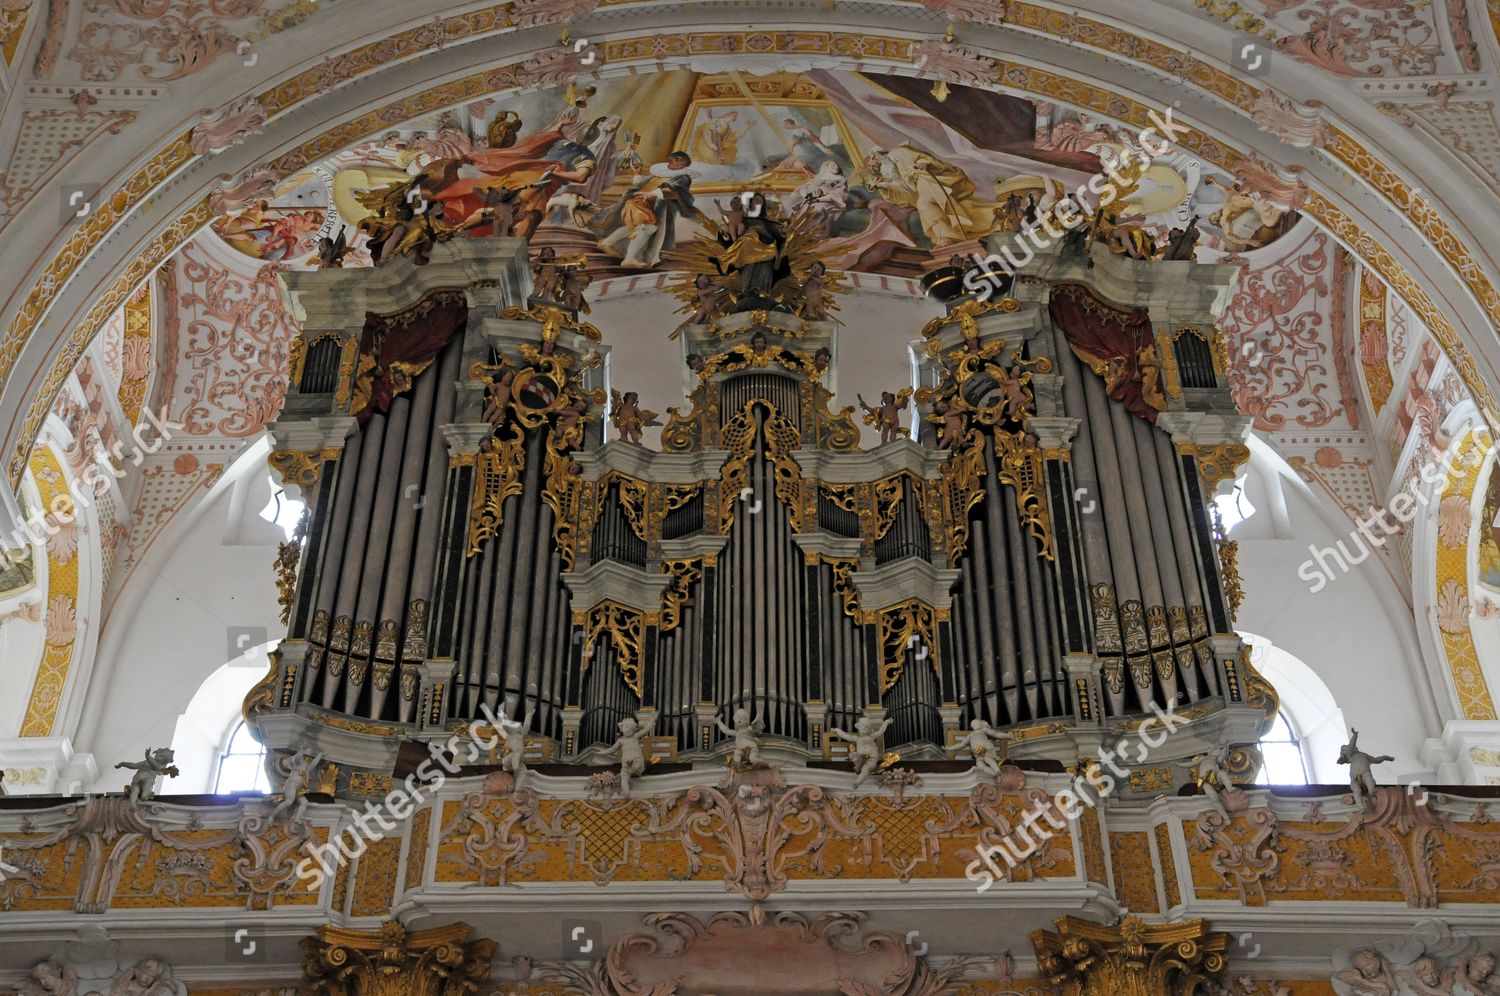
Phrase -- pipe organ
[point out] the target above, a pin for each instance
(1040, 554)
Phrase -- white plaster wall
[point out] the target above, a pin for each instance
(174, 626)
(1356, 634)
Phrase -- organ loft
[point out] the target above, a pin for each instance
(1033, 548)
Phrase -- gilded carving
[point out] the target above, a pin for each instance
(625, 628)
(902, 627)
(396, 962)
(1131, 958)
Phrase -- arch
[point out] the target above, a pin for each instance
(205, 729)
(76, 286)
(1309, 705)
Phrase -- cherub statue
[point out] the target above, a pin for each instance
(143, 782)
(575, 283)
(864, 753)
(569, 431)
(821, 359)
(1361, 780)
(148, 977)
(711, 299)
(955, 423)
(1369, 974)
(544, 274)
(1475, 976)
(1426, 978)
(746, 753)
(293, 790)
(887, 418)
(497, 398)
(808, 298)
(50, 978)
(628, 417)
(1210, 776)
(331, 252)
(733, 225)
(988, 745)
(513, 758)
(630, 746)
(1012, 386)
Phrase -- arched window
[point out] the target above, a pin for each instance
(242, 766)
(1282, 751)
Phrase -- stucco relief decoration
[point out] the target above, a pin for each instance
(753, 832)
(1405, 847)
(234, 347)
(1355, 38)
(1277, 327)
(771, 952)
(167, 39)
(13, 15)
(954, 63)
(540, 13)
(969, 11)
(1282, 119)
(109, 852)
(228, 127)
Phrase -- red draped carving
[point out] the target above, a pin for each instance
(1117, 345)
(394, 349)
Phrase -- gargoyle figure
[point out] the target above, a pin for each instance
(143, 782)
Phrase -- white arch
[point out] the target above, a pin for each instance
(1316, 718)
(203, 729)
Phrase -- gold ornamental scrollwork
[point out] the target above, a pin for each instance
(782, 440)
(297, 468)
(1229, 565)
(396, 962)
(1217, 463)
(1131, 958)
(965, 313)
(685, 573)
(498, 465)
(911, 625)
(1020, 466)
(843, 584)
(626, 629)
(554, 320)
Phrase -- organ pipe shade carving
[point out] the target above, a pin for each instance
(473, 543)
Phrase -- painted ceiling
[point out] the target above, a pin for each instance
(893, 174)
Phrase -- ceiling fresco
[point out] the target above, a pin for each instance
(893, 175)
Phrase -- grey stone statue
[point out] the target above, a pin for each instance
(1361, 780)
(158, 762)
(988, 745)
(630, 747)
(293, 790)
(746, 736)
(864, 750)
(50, 978)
